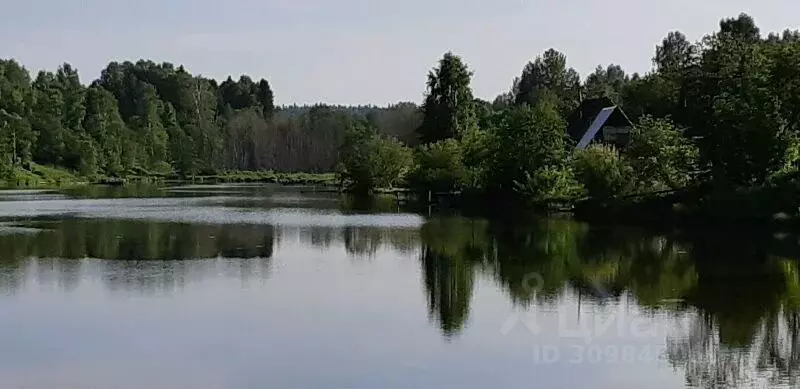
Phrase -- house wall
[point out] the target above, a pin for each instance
(616, 134)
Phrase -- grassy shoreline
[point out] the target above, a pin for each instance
(43, 177)
(268, 177)
(39, 176)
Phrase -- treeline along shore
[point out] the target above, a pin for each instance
(711, 132)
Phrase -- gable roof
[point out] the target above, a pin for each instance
(599, 121)
(582, 117)
(591, 116)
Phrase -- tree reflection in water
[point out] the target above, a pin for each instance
(742, 299)
(61, 250)
(735, 297)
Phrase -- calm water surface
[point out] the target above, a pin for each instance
(275, 287)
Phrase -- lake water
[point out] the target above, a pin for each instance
(275, 287)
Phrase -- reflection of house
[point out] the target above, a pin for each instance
(599, 120)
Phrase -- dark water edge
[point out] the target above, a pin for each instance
(680, 213)
(771, 207)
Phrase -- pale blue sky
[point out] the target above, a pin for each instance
(360, 51)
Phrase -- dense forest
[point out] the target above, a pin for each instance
(717, 116)
(148, 118)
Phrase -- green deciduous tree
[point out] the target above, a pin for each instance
(87, 149)
(746, 137)
(607, 82)
(653, 94)
(181, 147)
(548, 75)
(369, 160)
(16, 139)
(16, 101)
(150, 132)
(603, 172)
(448, 111)
(46, 117)
(73, 93)
(439, 167)
(104, 124)
(675, 54)
(661, 156)
(529, 155)
(201, 124)
(742, 28)
(477, 149)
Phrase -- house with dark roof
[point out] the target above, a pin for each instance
(599, 121)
